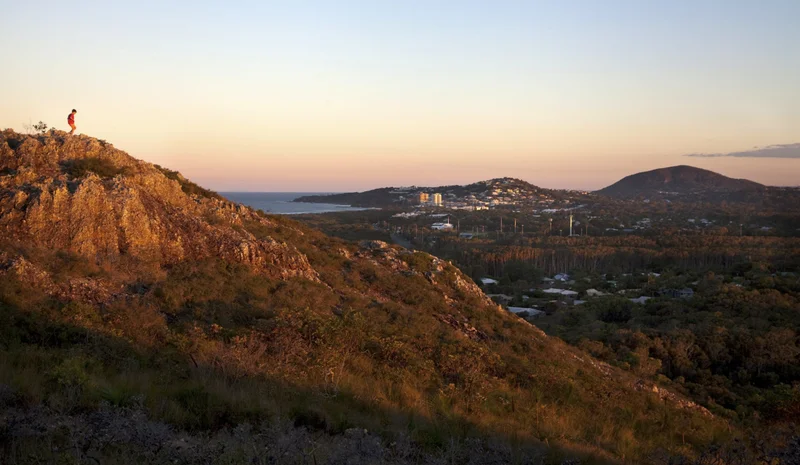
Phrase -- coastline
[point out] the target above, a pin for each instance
(283, 203)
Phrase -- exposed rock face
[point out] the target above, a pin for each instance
(83, 195)
(463, 327)
(663, 394)
(87, 290)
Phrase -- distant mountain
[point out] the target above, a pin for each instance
(481, 191)
(678, 180)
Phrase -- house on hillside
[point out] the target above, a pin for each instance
(594, 293)
(487, 281)
(685, 293)
(564, 292)
(563, 277)
(522, 311)
(502, 299)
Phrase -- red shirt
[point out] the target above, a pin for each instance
(71, 119)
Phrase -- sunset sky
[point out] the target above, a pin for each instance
(351, 95)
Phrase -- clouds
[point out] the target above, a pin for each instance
(770, 151)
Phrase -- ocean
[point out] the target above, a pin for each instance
(280, 203)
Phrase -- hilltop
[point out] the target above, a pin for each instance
(136, 302)
(482, 193)
(81, 195)
(678, 180)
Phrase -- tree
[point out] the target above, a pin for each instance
(613, 310)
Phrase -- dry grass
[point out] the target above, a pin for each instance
(211, 346)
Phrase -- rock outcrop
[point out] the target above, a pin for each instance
(82, 195)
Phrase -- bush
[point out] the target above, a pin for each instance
(99, 166)
(70, 373)
(305, 417)
(418, 261)
(613, 309)
(187, 186)
(40, 127)
(619, 314)
(36, 128)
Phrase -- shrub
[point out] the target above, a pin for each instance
(99, 166)
(40, 127)
(305, 417)
(612, 309)
(187, 186)
(70, 373)
(619, 314)
(36, 128)
(418, 261)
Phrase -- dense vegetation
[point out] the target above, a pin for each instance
(209, 345)
(602, 255)
(99, 166)
(733, 347)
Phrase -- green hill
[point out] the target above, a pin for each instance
(679, 180)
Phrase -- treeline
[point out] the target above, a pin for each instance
(621, 254)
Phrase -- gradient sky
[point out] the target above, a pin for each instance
(350, 95)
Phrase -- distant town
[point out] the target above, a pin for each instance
(715, 205)
(497, 192)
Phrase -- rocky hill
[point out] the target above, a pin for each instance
(146, 319)
(82, 195)
(678, 180)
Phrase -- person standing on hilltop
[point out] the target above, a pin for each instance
(71, 120)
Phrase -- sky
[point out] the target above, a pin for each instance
(350, 95)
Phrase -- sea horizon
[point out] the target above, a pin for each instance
(282, 192)
(282, 203)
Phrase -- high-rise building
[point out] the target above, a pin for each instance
(437, 199)
(423, 197)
